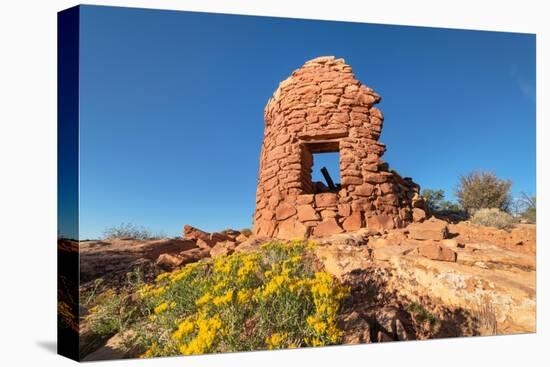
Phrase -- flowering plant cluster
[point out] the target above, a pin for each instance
(268, 299)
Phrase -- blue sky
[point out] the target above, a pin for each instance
(171, 108)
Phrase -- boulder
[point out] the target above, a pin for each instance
(168, 261)
(204, 244)
(223, 248)
(432, 229)
(419, 215)
(115, 348)
(250, 245)
(193, 255)
(192, 233)
(356, 328)
(241, 238)
(436, 251)
(219, 237)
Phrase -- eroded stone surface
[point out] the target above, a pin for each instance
(492, 282)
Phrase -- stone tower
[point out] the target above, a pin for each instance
(322, 108)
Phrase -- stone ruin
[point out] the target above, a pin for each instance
(323, 108)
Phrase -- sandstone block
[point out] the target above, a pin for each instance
(436, 251)
(326, 200)
(344, 210)
(168, 261)
(380, 222)
(306, 213)
(284, 211)
(433, 229)
(418, 214)
(305, 199)
(353, 222)
(327, 227)
(364, 190)
(192, 233)
(223, 248)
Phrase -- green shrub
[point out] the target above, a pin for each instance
(112, 313)
(435, 202)
(480, 189)
(422, 315)
(493, 218)
(530, 215)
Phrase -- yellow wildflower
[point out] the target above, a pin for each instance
(244, 295)
(224, 299)
(275, 340)
(204, 299)
(161, 308)
(162, 276)
(184, 329)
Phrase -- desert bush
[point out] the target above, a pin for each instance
(112, 313)
(493, 218)
(530, 215)
(480, 189)
(269, 299)
(127, 230)
(529, 205)
(421, 315)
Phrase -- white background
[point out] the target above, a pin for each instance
(28, 181)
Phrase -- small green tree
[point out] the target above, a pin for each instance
(435, 201)
(529, 203)
(433, 198)
(481, 189)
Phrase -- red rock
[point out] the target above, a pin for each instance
(320, 108)
(418, 215)
(216, 237)
(205, 244)
(306, 212)
(223, 248)
(192, 233)
(436, 251)
(329, 214)
(284, 211)
(326, 199)
(327, 227)
(353, 222)
(305, 199)
(292, 230)
(344, 210)
(168, 261)
(380, 222)
(193, 255)
(364, 190)
(433, 229)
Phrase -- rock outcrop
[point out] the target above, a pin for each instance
(323, 108)
(489, 282)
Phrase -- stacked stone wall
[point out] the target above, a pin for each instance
(323, 108)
